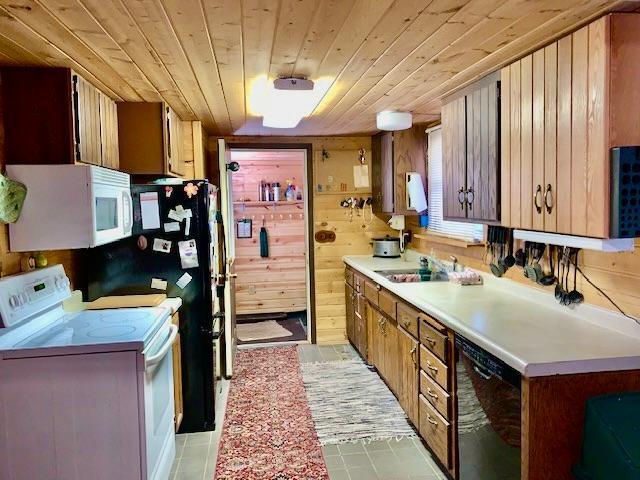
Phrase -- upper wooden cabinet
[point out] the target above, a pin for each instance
(150, 137)
(393, 155)
(54, 116)
(470, 155)
(563, 108)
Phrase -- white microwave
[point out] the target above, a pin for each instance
(70, 206)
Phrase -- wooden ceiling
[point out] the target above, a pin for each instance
(205, 57)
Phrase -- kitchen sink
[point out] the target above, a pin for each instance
(413, 275)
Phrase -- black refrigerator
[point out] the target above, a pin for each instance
(174, 213)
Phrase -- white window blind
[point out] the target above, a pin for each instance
(437, 224)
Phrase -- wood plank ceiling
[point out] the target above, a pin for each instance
(206, 57)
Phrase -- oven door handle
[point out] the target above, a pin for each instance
(155, 359)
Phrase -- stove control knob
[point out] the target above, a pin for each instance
(14, 301)
(62, 282)
(23, 298)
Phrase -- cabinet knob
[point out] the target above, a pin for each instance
(470, 197)
(535, 199)
(461, 198)
(548, 198)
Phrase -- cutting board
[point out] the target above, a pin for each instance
(127, 301)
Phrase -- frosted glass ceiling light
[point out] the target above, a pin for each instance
(289, 100)
(389, 120)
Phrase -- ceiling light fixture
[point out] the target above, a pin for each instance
(390, 120)
(289, 100)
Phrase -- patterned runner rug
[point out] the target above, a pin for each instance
(268, 431)
(349, 402)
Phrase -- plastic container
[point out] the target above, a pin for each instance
(611, 438)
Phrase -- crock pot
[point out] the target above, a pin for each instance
(387, 247)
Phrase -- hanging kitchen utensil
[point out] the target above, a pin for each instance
(264, 240)
(510, 260)
(528, 257)
(575, 297)
(496, 268)
(549, 279)
(520, 257)
(535, 270)
(558, 289)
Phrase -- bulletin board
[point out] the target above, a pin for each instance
(335, 174)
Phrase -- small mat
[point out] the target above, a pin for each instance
(349, 402)
(248, 332)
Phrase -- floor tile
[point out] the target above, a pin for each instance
(362, 473)
(329, 450)
(409, 454)
(402, 443)
(200, 438)
(334, 462)
(357, 460)
(340, 474)
(196, 451)
(377, 446)
(346, 448)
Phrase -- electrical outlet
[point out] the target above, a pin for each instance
(330, 179)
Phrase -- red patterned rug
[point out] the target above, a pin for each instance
(268, 431)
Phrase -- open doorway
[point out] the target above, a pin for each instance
(271, 245)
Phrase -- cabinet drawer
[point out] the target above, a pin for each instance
(371, 291)
(433, 339)
(434, 394)
(435, 430)
(434, 367)
(358, 282)
(348, 276)
(387, 303)
(408, 319)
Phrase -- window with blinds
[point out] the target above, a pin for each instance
(467, 231)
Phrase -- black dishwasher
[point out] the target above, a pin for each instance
(488, 415)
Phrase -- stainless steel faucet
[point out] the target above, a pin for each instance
(454, 259)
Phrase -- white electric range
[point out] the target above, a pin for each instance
(86, 394)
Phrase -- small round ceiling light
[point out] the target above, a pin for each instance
(390, 120)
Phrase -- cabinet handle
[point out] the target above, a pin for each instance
(378, 287)
(431, 394)
(535, 199)
(430, 341)
(470, 197)
(461, 198)
(431, 367)
(406, 323)
(431, 420)
(413, 355)
(548, 194)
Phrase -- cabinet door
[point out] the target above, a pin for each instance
(454, 160)
(350, 312)
(483, 167)
(391, 369)
(382, 172)
(408, 390)
(173, 142)
(109, 132)
(409, 155)
(377, 353)
(86, 109)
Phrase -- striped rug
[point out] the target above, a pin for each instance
(350, 402)
(268, 431)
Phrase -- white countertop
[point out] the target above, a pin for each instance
(522, 326)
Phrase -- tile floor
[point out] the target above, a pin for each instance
(406, 459)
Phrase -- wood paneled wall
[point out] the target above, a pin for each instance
(10, 262)
(618, 274)
(277, 283)
(352, 237)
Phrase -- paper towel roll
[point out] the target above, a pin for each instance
(415, 192)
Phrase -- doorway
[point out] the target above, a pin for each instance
(270, 208)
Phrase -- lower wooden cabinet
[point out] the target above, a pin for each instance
(177, 376)
(349, 296)
(408, 390)
(436, 431)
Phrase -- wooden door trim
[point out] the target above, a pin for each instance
(308, 147)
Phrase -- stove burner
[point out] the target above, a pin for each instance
(111, 332)
(122, 317)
